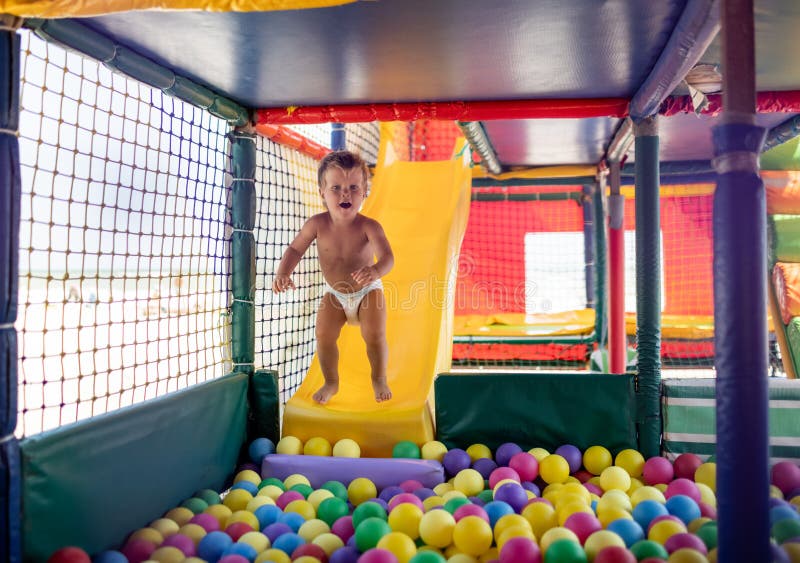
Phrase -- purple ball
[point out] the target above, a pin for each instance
(455, 460)
(513, 494)
(573, 456)
(484, 466)
(345, 554)
(423, 493)
(273, 531)
(343, 527)
(505, 452)
(532, 487)
(182, 542)
(381, 502)
(478, 501)
(389, 492)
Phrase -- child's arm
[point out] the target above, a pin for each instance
(383, 253)
(292, 256)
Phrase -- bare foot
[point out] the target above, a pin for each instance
(324, 394)
(382, 391)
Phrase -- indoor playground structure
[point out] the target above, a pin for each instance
(593, 319)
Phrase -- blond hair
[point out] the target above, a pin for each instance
(345, 160)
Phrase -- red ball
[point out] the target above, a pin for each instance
(138, 550)
(310, 549)
(685, 465)
(237, 529)
(69, 555)
(614, 554)
(520, 550)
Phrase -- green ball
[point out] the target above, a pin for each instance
(331, 509)
(452, 505)
(337, 488)
(565, 551)
(211, 497)
(303, 489)
(785, 529)
(196, 505)
(708, 533)
(643, 549)
(406, 449)
(486, 495)
(427, 557)
(272, 481)
(370, 532)
(368, 510)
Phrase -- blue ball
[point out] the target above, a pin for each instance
(212, 546)
(496, 510)
(292, 519)
(683, 507)
(647, 510)
(288, 543)
(259, 448)
(242, 549)
(778, 513)
(110, 556)
(267, 514)
(247, 486)
(629, 530)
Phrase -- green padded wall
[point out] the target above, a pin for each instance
(689, 412)
(784, 238)
(793, 336)
(264, 399)
(544, 410)
(91, 483)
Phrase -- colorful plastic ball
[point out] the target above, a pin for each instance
(614, 554)
(399, 545)
(785, 529)
(554, 469)
(646, 511)
(427, 556)
(369, 532)
(291, 519)
(686, 555)
(433, 450)
(496, 510)
(683, 486)
(505, 452)
(472, 535)
(233, 558)
(138, 550)
(564, 551)
(453, 503)
(346, 448)
(290, 445)
(455, 460)
(596, 459)
(209, 496)
(470, 509)
(786, 476)
(309, 550)
(656, 470)
(69, 554)
(501, 474)
(513, 494)
(468, 481)
(405, 518)
(706, 474)
(213, 545)
(405, 498)
(168, 554)
(484, 466)
(182, 542)
(648, 549)
(343, 528)
(583, 524)
(600, 540)
(275, 530)
(615, 478)
(259, 449)
(329, 542)
(285, 498)
(338, 489)
(573, 456)
(361, 490)
(196, 505)
(662, 530)
(479, 451)
(686, 465)
(273, 556)
(239, 548)
(288, 542)
(628, 529)
(347, 554)
(406, 449)
(631, 461)
(683, 507)
(366, 510)
(388, 493)
(520, 549)
(436, 528)
(685, 540)
(110, 556)
(558, 533)
(318, 446)
(526, 466)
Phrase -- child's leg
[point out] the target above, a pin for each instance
(330, 319)
(372, 317)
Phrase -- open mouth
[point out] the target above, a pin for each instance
(345, 205)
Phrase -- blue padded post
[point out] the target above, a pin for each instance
(740, 340)
(648, 286)
(338, 137)
(10, 187)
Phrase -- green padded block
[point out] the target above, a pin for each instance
(793, 336)
(544, 410)
(689, 413)
(264, 397)
(785, 156)
(91, 483)
(784, 238)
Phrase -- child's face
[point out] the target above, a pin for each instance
(343, 191)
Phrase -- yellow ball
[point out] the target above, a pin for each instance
(631, 461)
(636, 484)
(317, 446)
(792, 549)
(687, 555)
(220, 512)
(248, 475)
(290, 445)
(492, 555)
(469, 482)
(180, 515)
(662, 530)
(479, 451)
(346, 448)
(695, 524)
(647, 493)
(149, 534)
(436, 528)
(434, 450)
(775, 492)
(405, 518)
(306, 559)
(541, 517)
(399, 544)
(316, 497)
(243, 516)
(361, 489)
(461, 558)
(615, 498)
(596, 458)
(312, 528)
(539, 453)
(328, 542)
(274, 556)
(295, 479)
(706, 494)
(301, 507)
(257, 502)
(615, 478)
(554, 469)
(510, 521)
(432, 502)
(271, 491)
(661, 487)
(168, 554)
(599, 540)
(558, 533)
(193, 531)
(236, 499)
(568, 510)
(443, 488)
(610, 514)
(473, 535)
(165, 526)
(707, 474)
(577, 490)
(256, 540)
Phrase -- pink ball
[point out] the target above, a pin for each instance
(707, 510)
(343, 527)
(138, 550)
(658, 470)
(614, 554)
(520, 550)
(583, 524)
(237, 529)
(526, 466)
(503, 473)
(69, 555)
(403, 498)
(470, 510)
(592, 488)
(377, 555)
(582, 475)
(182, 542)
(285, 498)
(683, 486)
(233, 558)
(410, 485)
(785, 476)
(681, 540)
(685, 465)
(206, 521)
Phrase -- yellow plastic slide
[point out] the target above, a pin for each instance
(423, 207)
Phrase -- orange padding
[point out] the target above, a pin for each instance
(786, 280)
(783, 191)
(519, 324)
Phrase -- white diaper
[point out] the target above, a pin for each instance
(350, 302)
